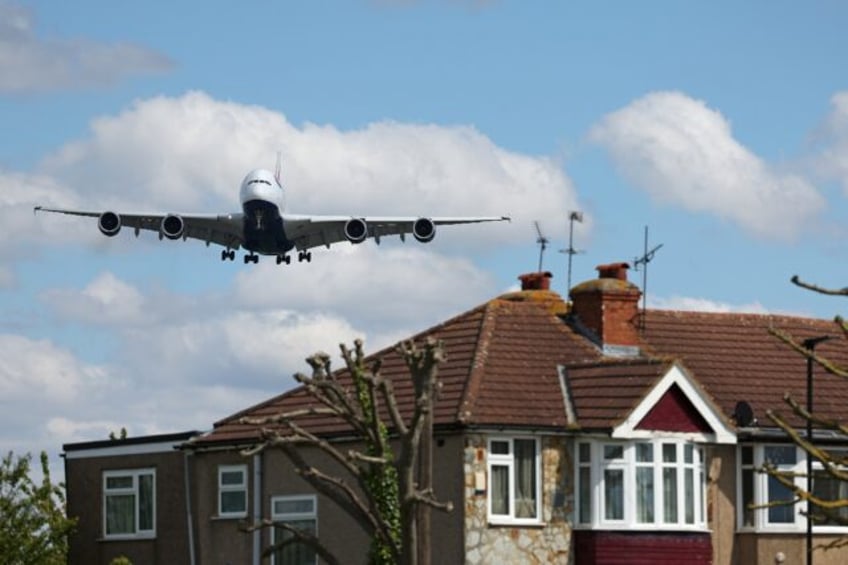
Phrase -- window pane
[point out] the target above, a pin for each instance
(783, 514)
(613, 494)
(612, 452)
(525, 478)
(780, 454)
(500, 489)
(146, 502)
(232, 478)
(747, 497)
(747, 455)
(585, 455)
(120, 514)
(687, 453)
(644, 452)
(645, 494)
(500, 447)
(828, 488)
(233, 502)
(294, 553)
(689, 495)
(669, 452)
(125, 481)
(585, 480)
(295, 506)
(669, 494)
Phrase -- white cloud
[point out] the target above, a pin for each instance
(106, 300)
(190, 153)
(832, 162)
(695, 304)
(682, 152)
(29, 63)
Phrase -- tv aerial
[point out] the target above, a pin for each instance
(542, 241)
(573, 216)
(646, 258)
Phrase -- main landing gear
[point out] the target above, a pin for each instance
(251, 258)
(304, 256)
(284, 259)
(228, 255)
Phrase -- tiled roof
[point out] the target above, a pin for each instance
(503, 359)
(734, 358)
(501, 370)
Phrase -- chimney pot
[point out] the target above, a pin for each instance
(536, 281)
(613, 271)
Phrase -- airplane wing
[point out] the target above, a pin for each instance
(225, 230)
(307, 232)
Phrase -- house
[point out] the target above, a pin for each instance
(578, 432)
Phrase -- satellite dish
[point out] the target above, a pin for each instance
(744, 414)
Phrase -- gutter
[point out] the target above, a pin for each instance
(257, 507)
(190, 522)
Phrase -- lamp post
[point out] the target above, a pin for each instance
(810, 345)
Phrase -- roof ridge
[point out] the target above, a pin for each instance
(481, 353)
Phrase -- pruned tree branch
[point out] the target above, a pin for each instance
(796, 280)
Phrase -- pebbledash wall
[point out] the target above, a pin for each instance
(550, 541)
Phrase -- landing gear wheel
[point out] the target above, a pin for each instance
(228, 254)
(283, 259)
(251, 258)
(304, 256)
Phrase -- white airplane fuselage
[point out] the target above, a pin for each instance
(263, 204)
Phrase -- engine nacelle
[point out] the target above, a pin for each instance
(356, 230)
(424, 230)
(172, 226)
(109, 223)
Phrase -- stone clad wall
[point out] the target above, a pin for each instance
(549, 542)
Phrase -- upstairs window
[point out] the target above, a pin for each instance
(232, 491)
(129, 503)
(514, 480)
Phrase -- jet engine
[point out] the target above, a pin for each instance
(109, 223)
(172, 226)
(356, 230)
(424, 230)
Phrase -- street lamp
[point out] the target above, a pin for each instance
(810, 345)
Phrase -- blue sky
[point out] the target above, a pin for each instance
(722, 126)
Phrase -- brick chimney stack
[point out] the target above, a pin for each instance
(536, 281)
(609, 308)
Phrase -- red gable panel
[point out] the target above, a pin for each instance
(674, 413)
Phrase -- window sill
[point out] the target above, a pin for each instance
(789, 530)
(507, 523)
(127, 537)
(219, 517)
(669, 528)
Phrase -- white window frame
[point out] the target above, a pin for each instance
(818, 467)
(293, 516)
(628, 466)
(761, 521)
(134, 491)
(231, 488)
(508, 460)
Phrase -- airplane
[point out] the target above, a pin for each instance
(264, 228)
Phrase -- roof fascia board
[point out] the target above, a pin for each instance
(124, 450)
(722, 433)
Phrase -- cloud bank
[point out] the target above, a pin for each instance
(683, 153)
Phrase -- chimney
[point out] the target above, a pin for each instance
(536, 281)
(608, 307)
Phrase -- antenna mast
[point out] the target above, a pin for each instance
(644, 260)
(543, 243)
(572, 217)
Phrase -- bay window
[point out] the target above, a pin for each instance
(651, 484)
(514, 477)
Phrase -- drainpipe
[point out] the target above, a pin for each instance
(189, 520)
(257, 508)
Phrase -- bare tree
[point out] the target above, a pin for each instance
(834, 464)
(384, 495)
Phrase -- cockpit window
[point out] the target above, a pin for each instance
(259, 180)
